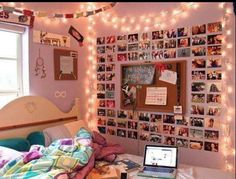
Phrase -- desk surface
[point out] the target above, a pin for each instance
(184, 171)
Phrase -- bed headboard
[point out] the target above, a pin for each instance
(31, 113)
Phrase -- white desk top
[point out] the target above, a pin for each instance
(184, 171)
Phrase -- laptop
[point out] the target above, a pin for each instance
(159, 162)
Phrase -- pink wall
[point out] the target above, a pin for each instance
(207, 12)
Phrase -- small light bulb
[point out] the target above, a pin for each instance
(229, 118)
(228, 32)
(223, 53)
(64, 20)
(229, 45)
(229, 67)
(228, 11)
(230, 89)
(221, 5)
(196, 5)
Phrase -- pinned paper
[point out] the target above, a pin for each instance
(156, 96)
(168, 76)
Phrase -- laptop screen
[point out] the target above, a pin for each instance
(160, 156)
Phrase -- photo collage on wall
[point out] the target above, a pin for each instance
(202, 46)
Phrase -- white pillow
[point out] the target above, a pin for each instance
(9, 154)
(73, 127)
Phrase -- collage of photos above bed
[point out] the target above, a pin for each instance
(202, 46)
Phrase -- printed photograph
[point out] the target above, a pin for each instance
(199, 29)
(101, 103)
(111, 131)
(100, 40)
(110, 94)
(214, 98)
(168, 119)
(133, 47)
(122, 38)
(157, 55)
(156, 138)
(110, 87)
(171, 53)
(170, 43)
(145, 45)
(110, 103)
(157, 35)
(211, 146)
(101, 59)
(132, 38)
(199, 63)
(101, 121)
(121, 133)
(211, 135)
(154, 127)
(197, 109)
(214, 39)
(214, 27)
(101, 68)
(197, 121)
(213, 110)
(101, 95)
(133, 56)
(111, 113)
(101, 112)
(144, 56)
(111, 122)
(101, 49)
(183, 121)
(196, 133)
(198, 40)
(121, 123)
(155, 117)
(132, 134)
(182, 131)
(168, 129)
(145, 37)
(198, 75)
(133, 125)
(101, 77)
(170, 33)
(100, 87)
(132, 115)
(110, 67)
(102, 130)
(199, 51)
(121, 47)
(214, 50)
(110, 49)
(184, 42)
(182, 142)
(184, 52)
(198, 86)
(214, 75)
(122, 57)
(157, 44)
(144, 116)
(111, 39)
(144, 126)
(214, 63)
(144, 136)
(121, 114)
(110, 76)
(212, 123)
(169, 140)
(110, 57)
(194, 144)
(183, 32)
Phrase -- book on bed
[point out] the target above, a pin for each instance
(127, 164)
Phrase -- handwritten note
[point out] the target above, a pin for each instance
(66, 64)
(156, 96)
(168, 76)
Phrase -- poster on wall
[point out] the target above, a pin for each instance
(51, 39)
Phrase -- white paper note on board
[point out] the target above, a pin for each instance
(168, 76)
(66, 64)
(156, 96)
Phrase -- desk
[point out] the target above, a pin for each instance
(184, 171)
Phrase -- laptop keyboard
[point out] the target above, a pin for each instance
(159, 169)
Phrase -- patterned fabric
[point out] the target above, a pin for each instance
(63, 156)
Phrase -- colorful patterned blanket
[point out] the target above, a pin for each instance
(62, 158)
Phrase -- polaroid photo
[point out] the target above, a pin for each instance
(198, 86)
(199, 75)
(182, 142)
(198, 40)
(196, 133)
(158, 55)
(101, 112)
(111, 113)
(101, 103)
(170, 53)
(145, 45)
(170, 34)
(214, 75)
(110, 76)
(199, 51)
(100, 87)
(100, 40)
(214, 98)
(110, 67)
(102, 130)
(183, 52)
(169, 129)
(214, 27)
(178, 110)
(182, 131)
(132, 38)
(194, 144)
(197, 109)
(156, 138)
(197, 98)
(214, 87)
(121, 114)
(122, 38)
(101, 121)
(213, 110)
(111, 131)
(178, 117)
(168, 119)
(198, 63)
(157, 34)
(132, 115)
(155, 127)
(121, 47)
(101, 68)
(111, 39)
(132, 134)
(101, 59)
(111, 58)
(144, 37)
(183, 42)
(122, 57)
(214, 62)
(211, 134)
(157, 44)
(214, 39)
(121, 123)
(133, 47)
(212, 123)
(155, 118)
(110, 104)
(170, 43)
(110, 49)
(169, 140)
(182, 121)
(211, 146)
(144, 126)
(101, 49)
(110, 86)
(111, 122)
(110, 94)
(101, 95)
(133, 56)
(144, 56)
(214, 50)
(183, 32)
(101, 76)
(133, 125)
(144, 136)
(196, 121)
(121, 132)
(144, 116)
(199, 29)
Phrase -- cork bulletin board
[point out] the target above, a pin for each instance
(141, 88)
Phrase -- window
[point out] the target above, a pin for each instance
(11, 77)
